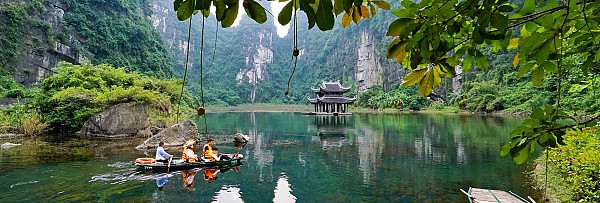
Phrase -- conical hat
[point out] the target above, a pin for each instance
(189, 143)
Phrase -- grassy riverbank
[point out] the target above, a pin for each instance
(573, 172)
(266, 107)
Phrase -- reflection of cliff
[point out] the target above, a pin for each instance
(370, 147)
(263, 156)
(432, 146)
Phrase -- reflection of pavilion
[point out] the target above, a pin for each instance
(332, 126)
(330, 99)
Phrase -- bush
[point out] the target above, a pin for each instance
(400, 97)
(32, 124)
(76, 92)
(437, 106)
(574, 169)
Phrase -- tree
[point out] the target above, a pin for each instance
(432, 37)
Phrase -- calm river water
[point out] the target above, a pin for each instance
(292, 157)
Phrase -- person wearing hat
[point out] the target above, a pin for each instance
(188, 154)
(161, 155)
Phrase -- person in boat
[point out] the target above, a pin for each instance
(208, 152)
(188, 154)
(221, 156)
(161, 155)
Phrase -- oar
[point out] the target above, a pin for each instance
(169, 165)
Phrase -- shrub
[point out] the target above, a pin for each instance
(32, 124)
(76, 92)
(437, 106)
(574, 169)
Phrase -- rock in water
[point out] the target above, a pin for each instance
(117, 121)
(239, 137)
(9, 145)
(173, 136)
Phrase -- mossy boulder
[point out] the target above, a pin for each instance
(121, 120)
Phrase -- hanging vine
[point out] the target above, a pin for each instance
(187, 58)
(296, 52)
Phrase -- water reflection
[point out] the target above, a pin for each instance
(283, 190)
(228, 194)
(332, 125)
(370, 146)
(370, 158)
(188, 177)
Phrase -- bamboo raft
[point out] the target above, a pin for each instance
(494, 196)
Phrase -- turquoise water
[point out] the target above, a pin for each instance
(292, 157)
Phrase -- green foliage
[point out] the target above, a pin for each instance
(75, 92)
(321, 13)
(116, 33)
(481, 97)
(428, 30)
(21, 119)
(574, 170)
(401, 97)
(12, 89)
(12, 17)
(438, 106)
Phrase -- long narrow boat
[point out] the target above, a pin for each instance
(479, 195)
(177, 163)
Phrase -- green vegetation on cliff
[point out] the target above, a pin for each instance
(67, 99)
(119, 33)
(112, 32)
(76, 92)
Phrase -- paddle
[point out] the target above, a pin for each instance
(169, 165)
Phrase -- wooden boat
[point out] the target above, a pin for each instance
(493, 196)
(177, 163)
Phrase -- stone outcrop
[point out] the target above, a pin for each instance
(40, 52)
(368, 68)
(175, 135)
(259, 54)
(8, 145)
(239, 137)
(120, 120)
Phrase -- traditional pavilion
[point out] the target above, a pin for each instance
(330, 99)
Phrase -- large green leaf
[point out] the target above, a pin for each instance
(414, 77)
(256, 11)
(382, 5)
(176, 4)
(309, 11)
(537, 76)
(398, 26)
(202, 5)
(338, 6)
(347, 4)
(482, 61)
(220, 9)
(524, 69)
(325, 19)
(185, 11)
(285, 16)
(505, 8)
(230, 15)
(528, 7)
(427, 82)
(521, 152)
(467, 63)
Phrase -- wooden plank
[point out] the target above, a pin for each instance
(489, 196)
